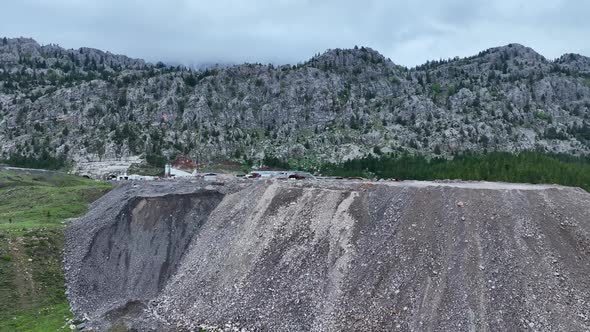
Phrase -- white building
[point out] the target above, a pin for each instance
(279, 174)
(170, 171)
(135, 177)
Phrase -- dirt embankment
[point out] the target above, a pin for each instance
(333, 256)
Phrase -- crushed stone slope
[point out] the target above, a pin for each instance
(332, 256)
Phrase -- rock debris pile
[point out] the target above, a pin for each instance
(333, 256)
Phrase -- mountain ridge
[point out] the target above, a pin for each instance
(213, 64)
(88, 105)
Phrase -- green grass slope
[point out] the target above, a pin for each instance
(33, 207)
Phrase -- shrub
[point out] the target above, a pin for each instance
(44, 161)
(543, 116)
(190, 80)
(272, 161)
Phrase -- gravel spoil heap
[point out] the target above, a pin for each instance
(333, 256)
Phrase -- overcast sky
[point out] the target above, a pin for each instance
(291, 31)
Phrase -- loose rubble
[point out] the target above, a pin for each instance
(332, 256)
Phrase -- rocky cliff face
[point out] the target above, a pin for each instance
(88, 105)
(333, 256)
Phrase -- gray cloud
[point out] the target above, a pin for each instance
(291, 31)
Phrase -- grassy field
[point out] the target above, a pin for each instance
(33, 207)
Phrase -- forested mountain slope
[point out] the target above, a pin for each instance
(89, 105)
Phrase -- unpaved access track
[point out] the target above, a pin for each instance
(325, 255)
